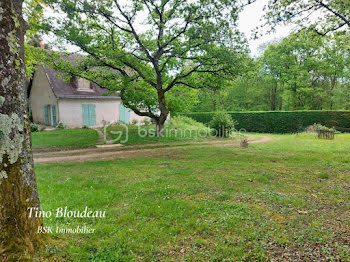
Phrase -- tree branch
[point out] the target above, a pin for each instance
(346, 21)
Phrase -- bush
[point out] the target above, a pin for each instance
(282, 121)
(34, 128)
(324, 128)
(60, 126)
(134, 121)
(222, 123)
(183, 122)
(146, 122)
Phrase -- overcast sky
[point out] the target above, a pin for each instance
(250, 18)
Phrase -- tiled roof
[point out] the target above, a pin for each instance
(63, 89)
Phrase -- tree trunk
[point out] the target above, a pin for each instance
(18, 191)
(214, 101)
(331, 94)
(273, 97)
(164, 111)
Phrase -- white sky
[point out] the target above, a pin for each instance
(250, 18)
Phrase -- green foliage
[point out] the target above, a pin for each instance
(60, 125)
(282, 121)
(322, 127)
(184, 122)
(222, 123)
(156, 63)
(146, 121)
(34, 127)
(301, 72)
(33, 11)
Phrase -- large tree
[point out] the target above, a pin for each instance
(153, 52)
(18, 191)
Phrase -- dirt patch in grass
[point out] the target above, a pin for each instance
(95, 154)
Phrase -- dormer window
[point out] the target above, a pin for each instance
(83, 85)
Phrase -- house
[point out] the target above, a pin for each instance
(76, 103)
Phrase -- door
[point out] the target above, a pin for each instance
(124, 114)
(53, 115)
(50, 115)
(46, 109)
(89, 115)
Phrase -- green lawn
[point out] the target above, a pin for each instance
(137, 135)
(288, 200)
(64, 139)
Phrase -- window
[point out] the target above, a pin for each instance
(83, 85)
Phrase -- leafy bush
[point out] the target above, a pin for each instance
(324, 128)
(321, 127)
(134, 121)
(183, 122)
(282, 121)
(146, 122)
(222, 123)
(60, 126)
(34, 128)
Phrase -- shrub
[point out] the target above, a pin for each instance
(282, 121)
(321, 127)
(222, 123)
(146, 122)
(34, 128)
(184, 122)
(60, 125)
(134, 121)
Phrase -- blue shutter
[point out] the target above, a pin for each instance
(89, 115)
(124, 114)
(85, 115)
(53, 109)
(46, 108)
(92, 115)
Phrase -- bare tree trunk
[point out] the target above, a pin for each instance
(164, 111)
(273, 97)
(18, 191)
(214, 101)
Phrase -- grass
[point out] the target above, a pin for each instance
(64, 139)
(286, 200)
(178, 129)
(138, 135)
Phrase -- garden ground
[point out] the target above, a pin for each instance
(287, 200)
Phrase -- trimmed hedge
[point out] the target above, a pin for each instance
(281, 121)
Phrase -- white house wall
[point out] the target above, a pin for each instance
(137, 117)
(41, 95)
(71, 111)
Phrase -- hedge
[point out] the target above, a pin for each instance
(282, 121)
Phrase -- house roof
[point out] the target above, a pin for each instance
(63, 89)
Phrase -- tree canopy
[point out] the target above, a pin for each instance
(153, 52)
(302, 71)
